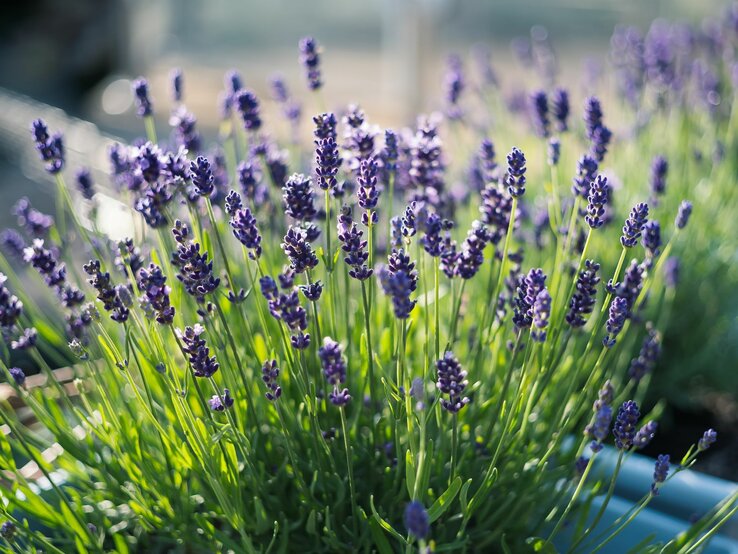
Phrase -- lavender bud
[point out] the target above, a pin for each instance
(617, 315)
(202, 176)
(645, 434)
(599, 193)
(646, 360)
(682, 218)
(298, 250)
(625, 424)
(634, 225)
(310, 59)
(560, 109)
(416, 520)
(515, 177)
(538, 108)
(659, 169)
(451, 380)
(176, 78)
(660, 472)
(652, 238)
(541, 313)
(18, 375)
(248, 107)
(554, 151)
(707, 440)
(197, 351)
(299, 198)
(584, 298)
(85, 184)
(334, 370)
(220, 403)
(270, 374)
(141, 97)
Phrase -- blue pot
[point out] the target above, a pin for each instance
(684, 499)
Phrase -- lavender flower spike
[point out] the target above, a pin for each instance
(539, 113)
(248, 107)
(50, 147)
(583, 301)
(515, 177)
(201, 175)
(334, 370)
(84, 183)
(617, 315)
(327, 162)
(452, 382)
(141, 97)
(203, 365)
(660, 472)
(560, 109)
(220, 403)
(541, 313)
(634, 225)
(682, 218)
(310, 59)
(270, 374)
(659, 169)
(599, 193)
(645, 434)
(707, 440)
(625, 424)
(298, 250)
(417, 521)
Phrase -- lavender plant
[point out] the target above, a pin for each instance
(249, 386)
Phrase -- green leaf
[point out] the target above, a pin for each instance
(444, 501)
(380, 541)
(463, 495)
(386, 526)
(310, 527)
(409, 473)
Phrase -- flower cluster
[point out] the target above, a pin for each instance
(50, 147)
(451, 381)
(195, 271)
(334, 370)
(353, 245)
(399, 279)
(115, 299)
(152, 284)
(197, 351)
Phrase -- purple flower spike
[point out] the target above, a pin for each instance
(50, 148)
(586, 171)
(176, 78)
(220, 403)
(538, 107)
(646, 360)
(310, 59)
(452, 382)
(270, 374)
(645, 434)
(584, 298)
(334, 370)
(248, 107)
(353, 245)
(541, 313)
(18, 375)
(245, 230)
(600, 428)
(417, 521)
(399, 279)
(707, 440)
(660, 472)
(299, 198)
(659, 169)
(327, 163)
(618, 313)
(652, 238)
(202, 176)
(682, 218)
(298, 250)
(625, 424)
(144, 107)
(471, 255)
(634, 225)
(84, 183)
(599, 194)
(515, 177)
(198, 353)
(368, 193)
(152, 283)
(560, 109)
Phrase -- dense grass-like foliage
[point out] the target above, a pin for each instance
(381, 340)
